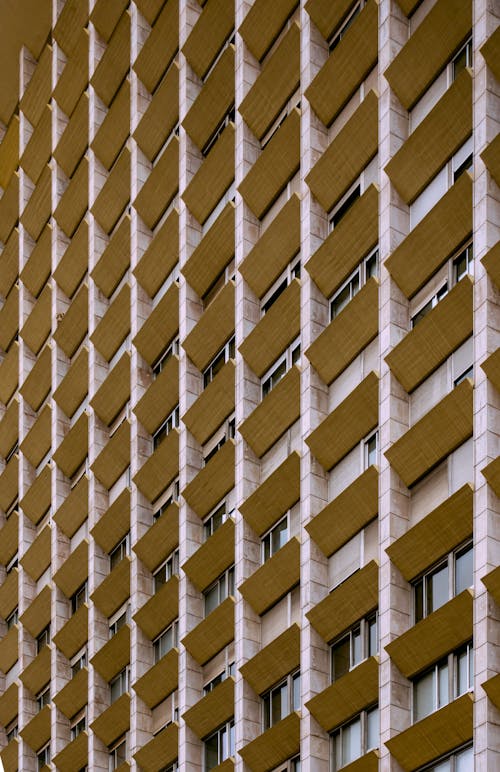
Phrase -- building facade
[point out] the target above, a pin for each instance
(249, 385)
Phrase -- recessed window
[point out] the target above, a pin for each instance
(219, 591)
(220, 437)
(214, 521)
(119, 685)
(291, 272)
(458, 761)
(43, 698)
(78, 662)
(370, 450)
(171, 422)
(43, 639)
(226, 353)
(118, 753)
(446, 580)
(275, 538)
(226, 275)
(365, 270)
(355, 738)
(340, 31)
(219, 746)
(430, 304)
(118, 620)
(228, 671)
(171, 350)
(446, 680)
(43, 757)
(12, 619)
(172, 495)
(281, 700)
(228, 118)
(165, 642)
(354, 646)
(78, 726)
(463, 264)
(166, 571)
(11, 731)
(119, 552)
(462, 59)
(280, 368)
(79, 598)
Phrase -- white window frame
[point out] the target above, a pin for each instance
(78, 661)
(123, 680)
(173, 631)
(287, 687)
(221, 510)
(336, 738)
(289, 358)
(170, 423)
(224, 586)
(43, 756)
(358, 278)
(449, 562)
(165, 571)
(451, 758)
(114, 760)
(123, 547)
(367, 450)
(119, 619)
(229, 670)
(451, 276)
(361, 632)
(171, 350)
(43, 698)
(268, 549)
(227, 352)
(78, 724)
(224, 433)
(352, 194)
(79, 597)
(225, 744)
(168, 497)
(291, 272)
(444, 680)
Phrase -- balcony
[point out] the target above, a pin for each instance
(72, 266)
(212, 558)
(114, 458)
(36, 444)
(435, 535)
(491, 367)
(492, 689)
(263, 23)
(160, 327)
(274, 496)
(73, 511)
(433, 637)
(273, 746)
(212, 633)
(347, 696)
(160, 47)
(113, 721)
(347, 155)
(36, 271)
(114, 590)
(346, 335)
(72, 636)
(327, 16)
(105, 16)
(36, 559)
(213, 406)
(36, 328)
(492, 583)
(162, 114)
(434, 140)
(113, 132)
(37, 384)
(428, 49)
(9, 151)
(8, 483)
(274, 167)
(8, 538)
(9, 318)
(274, 579)
(114, 524)
(114, 195)
(37, 674)
(160, 187)
(161, 750)
(37, 499)
(160, 398)
(37, 731)
(213, 329)
(160, 540)
(37, 93)
(279, 243)
(37, 210)
(274, 661)
(490, 51)
(114, 655)
(73, 327)
(435, 436)
(114, 392)
(74, 571)
(160, 610)
(278, 80)
(9, 428)
(347, 66)
(434, 239)
(73, 203)
(114, 326)
(213, 178)
(213, 710)
(274, 415)
(160, 680)
(433, 736)
(160, 257)
(37, 615)
(9, 208)
(159, 470)
(72, 451)
(10, 754)
(492, 474)
(75, 138)
(114, 261)
(37, 152)
(114, 63)
(347, 514)
(212, 482)
(347, 424)
(75, 76)
(74, 755)
(213, 27)
(10, 261)
(9, 373)
(347, 603)
(432, 341)
(8, 704)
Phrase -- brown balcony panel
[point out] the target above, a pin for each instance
(37, 674)
(114, 655)
(73, 635)
(212, 482)
(491, 367)
(37, 615)
(276, 83)
(37, 210)
(274, 415)
(113, 721)
(114, 326)
(160, 751)
(491, 158)
(435, 735)
(75, 75)
(37, 384)
(75, 137)
(160, 47)
(212, 557)
(347, 424)
(434, 140)
(491, 53)
(73, 449)
(435, 436)
(74, 509)
(492, 474)
(347, 514)
(114, 130)
(273, 661)
(160, 398)
(160, 680)
(37, 152)
(36, 444)
(347, 66)
(9, 649)
(114, 261)
(346, 335)
(114, 590)
(492, 689)
(36, 271)
(36, 328)
(74, 15)
(8, 704)
(435, 337)
(9, 151)
(114, 524)
(74, 571)
(213, 710)
(37, 92)
(37, 498)
(160, 327)
(160, 540)
(277, 164)
(114, 392)
(114, 63)
(214, 404)
(72, 266)
(8, 538)
(9, 373)
(37, 731)
(347, 696)
(149, 9)
(10, 754)
(73, 203)
(447, 525)
(213, 178)
(327, 16)
(160, 257)
(9, 428)
(160, 610)
(279, 491)
(269, 583)
(273, 746)
(8, 483)
(160, 187)
(161, 115)
(159, 470)
(74, 755)
(105, 16)
(347, 155)
(205, 40)
(9, 208)
(263, 23)
(350, 601)
(36, 559)
(428, 49)
(114, 195)
(433, 637)
(114, 458)
(213, 330)
(492, 583)
(10, 260)
(9, 315)
(279, 243)
(212, 633)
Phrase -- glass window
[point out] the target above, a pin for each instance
(218, 362)
(79, 598)
(365, 270)
(271, 296)
(171, 350)
(12, 619)
(355, 738)
(354, 647)
(280, 368)
(215, 520)
(281, 700)
(439, 584)
(43, 757)
(78, 727)
(43, 698)
(165, 642)
(174, 496)
(275, 539)
(118, 754)
(117, 622)
(171, 422)
(445, 681)
(43, 639)
(219, 746)
(119, 552)
(165, 572)
(219, 591)
(119, 685)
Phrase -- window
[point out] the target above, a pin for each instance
(222, 279)
(228, 118)
(370, 451)
(43, 757)
(43, 639)
(219, 746)
(79, 598)
(219, 591)
(118, 620)
(78, 662)
(279, 286)
(462, 59)
(280, 368)
(463, 264)
(451, 273)
(218, 439)
(449, 578)
(171, 350)
(166, 570)
(165, 642)
(118, 753)
(171, 422)
(340, 31)
(458, 761)
(445, 681)
(440, 294)
(226, 353)
(355, 738)
(275, 538)
(228, 671)
(215, 520)
(365, 270)
(12, 564)
(11, 731)
(353, 647)
(344, 206)
(282, 700)
(119, 685)
(78, 726)
(172, 495)
(12, 619)
(43, 698)
(119, 552)
(229, 196)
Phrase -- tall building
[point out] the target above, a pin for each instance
(249, 385)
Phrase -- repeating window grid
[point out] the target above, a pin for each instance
(353, 647)
(444, 581)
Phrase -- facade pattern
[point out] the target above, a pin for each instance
(249, 386)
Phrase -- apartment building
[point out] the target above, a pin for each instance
(249, 385)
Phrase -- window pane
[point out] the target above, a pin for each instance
(372, 729)
(212, 752)
(211, 600)
(372, 637)
(463, 571)
(462, 672)
(276, 703)
(464, 761)
(341, 658)
(296, 692)
(443, 685)
(356, 646)
(419, 601)
(279, 535)
(437, 589)
(340, 301)
(423, 696)
(351, 742)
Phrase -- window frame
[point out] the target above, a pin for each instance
(222, 357)
(170, 423)
(229, 670)
(123, 679)
(122, 548)
(79, 597)
(225, 585)
(362, 630)
(168, 497)
(449, 562)
(339, 31)
(208, 522)
(158, 652)
(279, 285)
(268, 537)
(169, 567)
(286, 691)
(449, 668)
(363, 274)
(290, 357)
(114, 760)
(225, 744)
(364, 746)
(450, 278)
